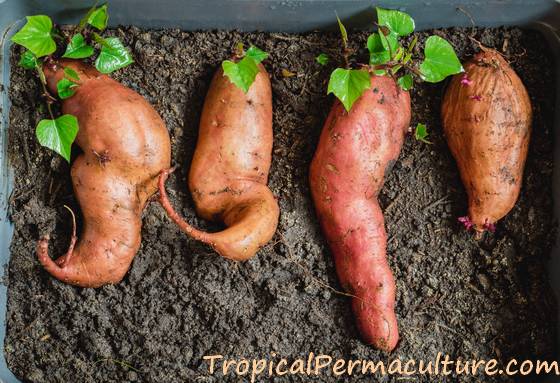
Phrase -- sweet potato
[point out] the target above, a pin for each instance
(356, 150)
(229, 171)
(125, 145)
(486, 117)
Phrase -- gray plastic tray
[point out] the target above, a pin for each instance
(267, 15)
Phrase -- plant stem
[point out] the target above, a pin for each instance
(46, 93)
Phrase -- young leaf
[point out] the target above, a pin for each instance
(343, 32)
(398, 22)
(405, 82)
(28, 60)
(396, 69)
(322, 59)
(440, 60)
(78, 48)
(240, 49)
(377, 53)
(65, 88)
(348, 85)
(256, 54)
(113, 55)
(35, 35)
(58, 134)
(421, 133)
(389, 41)
(98, 18)
(242, 74)
(71, 74)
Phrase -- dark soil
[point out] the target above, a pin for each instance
(180, 301)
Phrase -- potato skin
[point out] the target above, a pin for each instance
(487, 123)
(355, 152)
(229, 171)
(125, 145)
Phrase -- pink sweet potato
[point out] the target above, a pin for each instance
(125, 145)
(354, 154)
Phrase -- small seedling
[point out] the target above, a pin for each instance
(322, 59)
(389, 57)
(39, 36)
(243, 72)
(421, 133)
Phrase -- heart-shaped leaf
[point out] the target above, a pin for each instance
(98, 18)
(35, 35)
(398, 22)
(377, 53)
(242, 74)
(28, 60)
(59, 134)
(440, 60)
(405, 82)
(78, 48)
(348, 85)
(113, 55)
(65, 88)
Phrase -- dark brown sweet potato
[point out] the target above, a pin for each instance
(355, 152)
(229, 172)
(487, 121)
(125, 146)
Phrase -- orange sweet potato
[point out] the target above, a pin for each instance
(354, 154)
(125, 145)
(229, 172)
(486, 117)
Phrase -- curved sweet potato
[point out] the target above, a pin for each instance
(229, 172)
(355, 152)
(487, 122)
(125, 145)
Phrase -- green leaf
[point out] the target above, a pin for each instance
(78, 48)
(58, 134)
(242, 74)
(113, 55)
(322, 59)
(71, 74)
(398, 22)
(348, 85)
(98, 18)
(412, 44)
(399, 54)
(256, 54)
(343, 32)
(380, 72)
(65, 88)
(35, 35)
(421, 133)
(377, 53)
(390, 42)
(395, 69)
(28, 60)
(240, 49)
(405, 82)
(440, 60)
